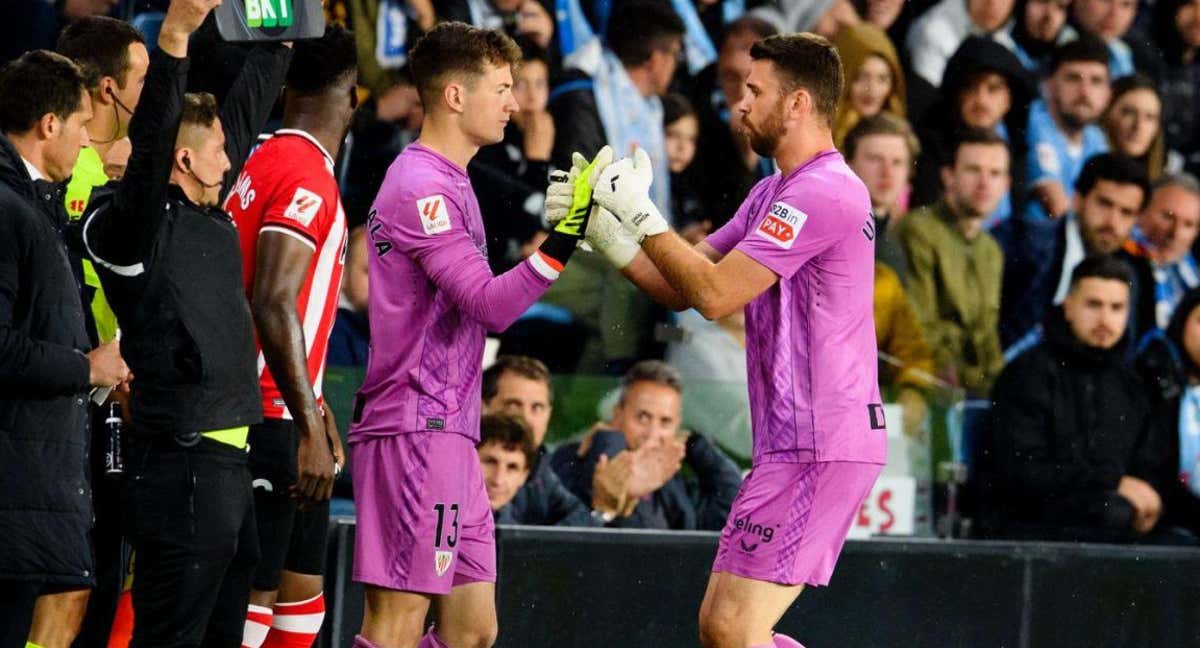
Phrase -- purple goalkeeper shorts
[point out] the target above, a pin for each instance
(790, 520)
(424, 523)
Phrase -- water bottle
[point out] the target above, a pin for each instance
(114, 460)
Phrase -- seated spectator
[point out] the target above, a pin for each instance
(391, 27)
(874, 79)
(350, 340)
(383, 125)
(880, 150)
(645, 427)
(726, 153)
(905, 363)
(1177, 35)
(1039, 257)
(510, 177)
(955, 268)
(1164, 234)
(1133, 123)
(710, 350)
(1071, 452)
(1170, 368)
(1062, 131)
(936, 35)
(1038, 28)
(1110, 21)
(527, 18)
(610, 93)
(681, 134)
(892, 16)
(985, 87)
(823, 17)
(506, 454)
(519, 386)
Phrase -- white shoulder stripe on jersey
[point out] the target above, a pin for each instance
(292, 233)
(126, 270)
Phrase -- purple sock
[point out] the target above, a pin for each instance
(430, 640)
(362, 642)
(784, 641)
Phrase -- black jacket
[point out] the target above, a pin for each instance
(700, 501)
(544, 501)
(511, 190)
(1067, 422)
(172, 269)
(45, 499)
(578, 128)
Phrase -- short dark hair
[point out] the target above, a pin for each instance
(318, 63)
(1113, 168)
(39, 83)
(639, 28)
(1101, 266)
(654, 371)
(199, 109)
(455, 48)
(747, 24)
(1087, 49)
(531, 51)
(99, 45)
(523, 366)
(883, 123)
(805, 61)
(977, 136)
(511, 432)
(676, 107)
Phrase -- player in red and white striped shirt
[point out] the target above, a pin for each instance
(293, 234)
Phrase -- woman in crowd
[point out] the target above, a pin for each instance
(1133, 122)
(1040, 25)
(874, 77)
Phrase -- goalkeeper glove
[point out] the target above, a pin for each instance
(624, 189)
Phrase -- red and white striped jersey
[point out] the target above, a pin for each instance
(288, 187)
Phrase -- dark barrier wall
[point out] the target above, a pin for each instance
(584, 588)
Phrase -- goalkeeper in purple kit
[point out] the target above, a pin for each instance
(425, 531)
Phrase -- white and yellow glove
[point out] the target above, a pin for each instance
(604, 232)
(624, 189)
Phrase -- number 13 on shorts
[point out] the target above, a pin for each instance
(445, 534)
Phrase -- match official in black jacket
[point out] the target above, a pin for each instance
(46, 368)
(169, 260)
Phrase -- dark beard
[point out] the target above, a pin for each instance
(766, 141)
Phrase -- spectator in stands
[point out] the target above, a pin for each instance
(1170, 368)
(383, 32)
(1040, 26)
(1164, 234)
(726, 153)
(1133, 123)
(955, 268)
(1063, 132)
(681, 134)
(1039, 257)
(905, 362)
(520, 386)
(350, 341)
(646, 423)
(507, 453)
(874, 78)
(881, 150)
(1176, 32)
(1071, 454)
(611, 96)
(824, 17)
(383, 125)
(984, 87)
(528, 18)
(510, 177)
(1110, 21)
(47, 363)
(935, 36)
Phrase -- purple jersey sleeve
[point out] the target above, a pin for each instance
(795, 227)
(432, 230)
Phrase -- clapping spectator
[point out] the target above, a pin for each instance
(645, 430)
(1039, 27)
(874, 78)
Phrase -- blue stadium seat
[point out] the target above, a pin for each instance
(149, 23)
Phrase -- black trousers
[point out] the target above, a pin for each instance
(189, 514)
(17, 599)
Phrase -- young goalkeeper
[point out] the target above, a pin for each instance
(424, 524)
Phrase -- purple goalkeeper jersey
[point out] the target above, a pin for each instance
(433, 299)
(810, 338)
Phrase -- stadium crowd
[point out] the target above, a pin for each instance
(1032, 171)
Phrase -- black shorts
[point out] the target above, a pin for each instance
(289, 538)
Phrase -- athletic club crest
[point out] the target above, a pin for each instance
(441, 561)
